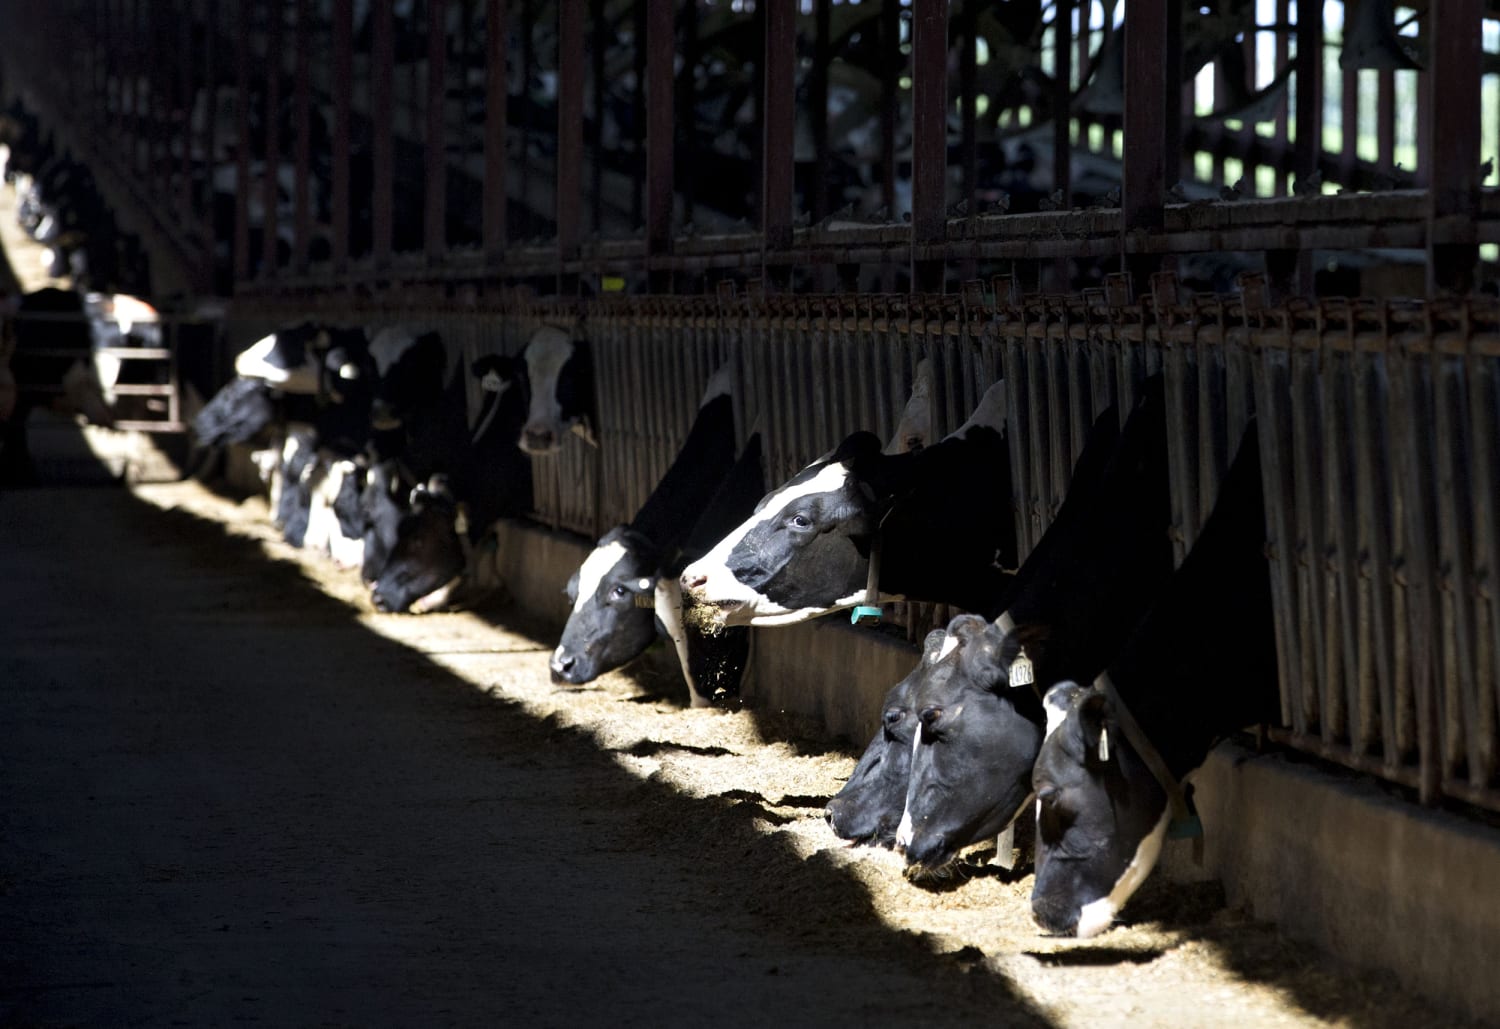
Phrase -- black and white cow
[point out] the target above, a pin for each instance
(1099, 566)
(941, 518)
(560, 377)
(613, 592)
(1200, 665)
(51, 366)
(868, 808)
(287, 359)
(427, 563)
(376, 517)
(484, 474)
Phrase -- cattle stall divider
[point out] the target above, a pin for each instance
(1377, 421)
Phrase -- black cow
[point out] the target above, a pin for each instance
(429, 557)
(1201, 664)
(1098, 568)
(869, 806)
(941, 517)
(613, 592)
(481, 469)
(51, 365)
(560, 376)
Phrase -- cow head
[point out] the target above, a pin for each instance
(805, 551)
(1101, 815)
(560, 372)
(428, 556)
(411, 367)
(868, 808)
(972, 751)
(613, 595)
(287, 359)
(379, 515)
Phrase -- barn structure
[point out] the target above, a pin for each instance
(1290, 214)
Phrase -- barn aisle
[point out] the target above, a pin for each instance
(224, 800)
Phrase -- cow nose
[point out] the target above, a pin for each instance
(693, 582)
(561, 665)
(540, 440)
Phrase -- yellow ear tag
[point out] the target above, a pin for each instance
(1021, 672)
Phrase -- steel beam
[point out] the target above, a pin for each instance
(778, 167)
(495, 28)
(660, 128)
(382, 145)
(1452, 156)
(570, 83)
(435, 177)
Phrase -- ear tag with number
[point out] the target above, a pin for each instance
(1103, 744)
(1021, 672)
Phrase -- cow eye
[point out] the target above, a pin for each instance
(801, 521)
(894, 715)
(619, 593)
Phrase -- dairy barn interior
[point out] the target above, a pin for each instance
(342, 335)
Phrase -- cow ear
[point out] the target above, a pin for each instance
(932, 646)
(571, 589)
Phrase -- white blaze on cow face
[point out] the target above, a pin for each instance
(595, 567)
(737, 603)
(389, 345)
(1099, 915)
(546, 354)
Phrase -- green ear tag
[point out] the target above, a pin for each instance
(864, 613)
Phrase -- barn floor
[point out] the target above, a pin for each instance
(230, 792)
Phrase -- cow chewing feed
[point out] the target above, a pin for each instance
(1199, 665)
(1099, 565)
(868, 808)
(941, 518)
(428, 560)
(972, 750)
(614, 617)
(560, 374)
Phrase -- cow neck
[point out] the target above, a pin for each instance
(1185, 823)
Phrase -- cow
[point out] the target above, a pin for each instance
(1102, 559)
(376, 516)
(480, 466)
(560, 377)
(869, 806)
(291, 485)
(288, 359)
(428, 561)
(334, 487)
(940, 518)
(51, 365)
(1199, 665)
(613, 592)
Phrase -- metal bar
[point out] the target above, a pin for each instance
(816, 203)
(1452, 144)
(929, 121)
(570, 83)
(1309, 72)
(1062, 93)
(382, 145)
(1144, 169)
(343, 130)
(598, 41)
(183, 123)
(660, 129)
(890, 71)
(1484, 416)
(271, 122)
(495, 179)
(302, 199)
(777, 154)
(435, 172)
(242, 146)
